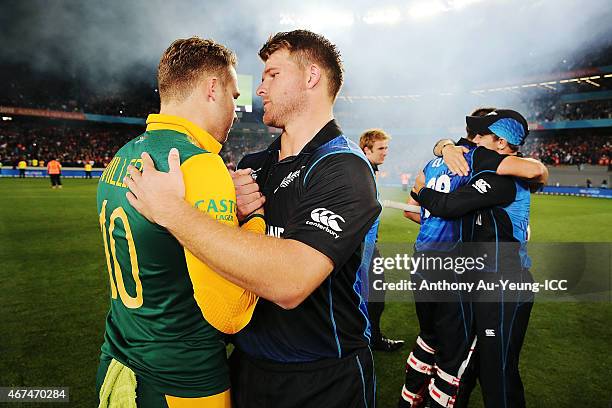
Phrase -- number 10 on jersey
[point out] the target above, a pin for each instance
(129, 301)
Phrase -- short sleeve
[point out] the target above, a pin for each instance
(338, 207)
(484, 159)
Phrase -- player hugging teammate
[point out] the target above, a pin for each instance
(477, 194)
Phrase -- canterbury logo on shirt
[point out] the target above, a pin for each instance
(482, 186)
(326, 220)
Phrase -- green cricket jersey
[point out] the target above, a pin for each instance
(168, 310)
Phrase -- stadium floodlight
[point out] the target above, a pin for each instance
(426, 9)
(383, 16)
(588, 81)
(547, 85)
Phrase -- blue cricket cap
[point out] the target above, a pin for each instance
(504, 123)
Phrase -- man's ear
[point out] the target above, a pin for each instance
(314, 76)
(212, 88)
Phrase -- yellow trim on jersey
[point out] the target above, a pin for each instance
(209, 187)
(221, 400)
(178, 124)
(255, 224)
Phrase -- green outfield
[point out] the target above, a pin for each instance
(55, 299)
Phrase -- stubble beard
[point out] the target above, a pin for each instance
(282, 112)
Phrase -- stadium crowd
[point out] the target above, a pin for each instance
(71, 145)
(570, 150)
(552, 110)
(74, 145)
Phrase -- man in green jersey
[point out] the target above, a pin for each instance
(163, 345)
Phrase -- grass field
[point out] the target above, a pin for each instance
(55, 297)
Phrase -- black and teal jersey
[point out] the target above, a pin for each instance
(326, 198)
(442, 234)
(494, 213)
(168, 310)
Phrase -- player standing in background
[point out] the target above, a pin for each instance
(375, 145)
(88, 167)
(164, 340)
(442, 351)
(404, 179)
(22, 165)
(54, 170)
(308, 342)
(495, 213)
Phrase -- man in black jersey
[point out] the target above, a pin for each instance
(308, 342)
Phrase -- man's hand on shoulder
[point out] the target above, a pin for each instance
(249, 199)
(455, 160)
(155, 194)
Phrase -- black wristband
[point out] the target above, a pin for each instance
(251, 216)
(415, 195)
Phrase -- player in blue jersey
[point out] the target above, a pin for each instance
(495, 218)
(442, 352)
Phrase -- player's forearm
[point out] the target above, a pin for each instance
(525, 168)
(488, 191)
(413, 216)
(254, 262)
(542, 177)
(443, 204)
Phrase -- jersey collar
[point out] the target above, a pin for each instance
(195, 133)
(328, 132)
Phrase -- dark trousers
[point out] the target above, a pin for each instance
(55, 180)
(500, 326)
(21, 173)
(347, 382)
(443, 350)
(88, 174)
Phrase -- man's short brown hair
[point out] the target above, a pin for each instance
(187, 61)
(309, 47)
(371, 136)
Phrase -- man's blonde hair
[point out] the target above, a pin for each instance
(371, 136)
(187, 61)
